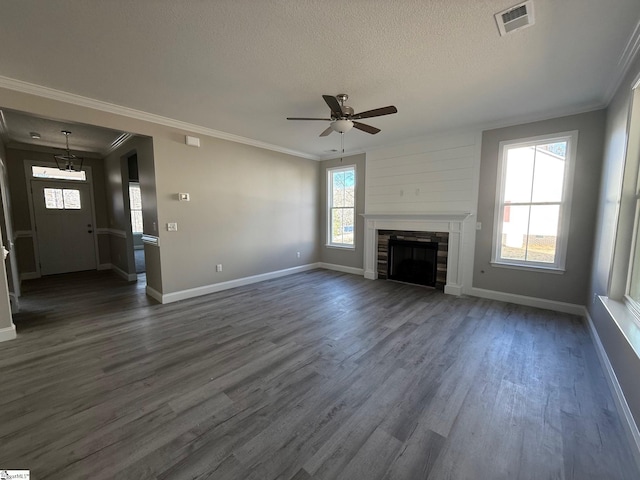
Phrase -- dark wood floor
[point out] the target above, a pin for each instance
(317, 375)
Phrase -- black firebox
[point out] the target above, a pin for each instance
(413, 262)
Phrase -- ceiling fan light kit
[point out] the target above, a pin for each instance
(343, 117)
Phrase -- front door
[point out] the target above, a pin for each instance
(64, 226)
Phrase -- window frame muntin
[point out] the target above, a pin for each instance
(564, 216)
(330, 172)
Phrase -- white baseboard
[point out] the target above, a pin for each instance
(105, 266)
(8, 333)
(153, 293)
(218, 287)
(129, 277)
(528, 301)
(624, 411)
(29, 276)
(370, 275)
(342, 268)
(453, 290)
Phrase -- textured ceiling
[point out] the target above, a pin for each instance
(243, 66)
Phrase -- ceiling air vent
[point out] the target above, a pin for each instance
(515, 18)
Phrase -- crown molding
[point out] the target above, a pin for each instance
(624, 63)
(66, 97)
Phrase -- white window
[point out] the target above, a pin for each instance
(62, 199)
(341, 196)
(135, 205)
(533, 201)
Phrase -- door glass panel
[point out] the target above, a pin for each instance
(71, 199)
(62, 199)
(53, 198)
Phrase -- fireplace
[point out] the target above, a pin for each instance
(449, 224)
(412, 262)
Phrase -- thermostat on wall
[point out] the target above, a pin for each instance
(183, 197)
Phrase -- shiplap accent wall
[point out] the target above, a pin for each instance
(432, 175)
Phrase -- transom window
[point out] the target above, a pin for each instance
(62, 199)
(57, 174)
(532, 214)
(342, 206)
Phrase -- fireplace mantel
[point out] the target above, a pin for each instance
(450, 222)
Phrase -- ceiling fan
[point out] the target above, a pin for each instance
(343, 119)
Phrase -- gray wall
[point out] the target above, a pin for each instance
(117, 187)
(20, 203)
(251, 210)
(624, 360)
(353, 258)
(572, 286)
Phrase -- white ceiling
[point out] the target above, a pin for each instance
(243, 66)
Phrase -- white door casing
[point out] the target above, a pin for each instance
(65, 232)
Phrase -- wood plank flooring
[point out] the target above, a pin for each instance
(318, 375)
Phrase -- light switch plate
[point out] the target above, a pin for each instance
(172, 227)
(184, 197)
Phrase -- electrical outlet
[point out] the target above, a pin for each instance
(219, 267)
(298, 254)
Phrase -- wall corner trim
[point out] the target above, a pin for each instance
(8, 333)
(129, 277)
(342, 268)
(554, 305)
(622, 406)
(153, 293)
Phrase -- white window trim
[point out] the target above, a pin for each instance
(345, 246)
(565, 204)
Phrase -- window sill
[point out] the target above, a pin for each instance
(625, 319)
(529, 268)
(341, 247)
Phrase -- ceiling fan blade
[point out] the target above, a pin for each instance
(365, 128)
(305, 118)
(334, 105)
(326, 132)
(378, 112)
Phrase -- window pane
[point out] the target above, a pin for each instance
(543, 233)
(342, 225)
(514, 232)
(634, 285)
(71, 199)
(136, 221)
(519, 175)
(53, 198)
(549, 172)
(338, 186)
(135, 198)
